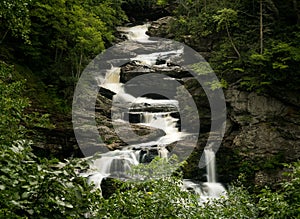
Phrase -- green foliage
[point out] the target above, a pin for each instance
(291, 190)
(78, 31)
(164, 198)
(161, 198)
(200, 25)
(233, 29)
(162, 2)
(14, 17)
(277, 65)
(214, 85)
(61, 37)
(285, 202)
(12, 105)
(225, 18)
(33, 188)
(14, 122)
(158, 168)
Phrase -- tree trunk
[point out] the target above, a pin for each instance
(261, 27)
(231, 41)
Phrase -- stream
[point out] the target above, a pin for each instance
(157, 112)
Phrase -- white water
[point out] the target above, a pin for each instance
(165, 122)
(150, 59)
(136, 33)
(163, 152)
(118, 162)
(205, 191)
(211, 189)
(112, 80)
(210, 165)
(156, 102)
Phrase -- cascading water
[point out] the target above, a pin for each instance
(136, 33)
(210, 165)
(118, 162)
(211, 189)
(112, 80)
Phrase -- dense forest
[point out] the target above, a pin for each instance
(252, 45)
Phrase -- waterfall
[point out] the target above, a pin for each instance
(205, 191)
(113, 163)
(165, 122)
(147, 117)
(211, 189)
(112, 80)
(210, 165)
(113, 75)
(162, 121)
(117, 163)
(136, 33)
(163, 152)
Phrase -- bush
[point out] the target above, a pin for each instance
(32, 187)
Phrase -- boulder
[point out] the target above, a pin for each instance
(160, 27)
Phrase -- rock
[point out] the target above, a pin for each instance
(260, 140)
(263, 133)
(249, 108)
(106, 93)
(134, 69)
(58, 141)
(141, 107)
(160, 27)
(290, 97)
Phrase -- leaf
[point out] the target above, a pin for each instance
(239, 69)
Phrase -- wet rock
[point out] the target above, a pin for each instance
(142, 107)
(106, 93)
(160, 27)
(134, 69)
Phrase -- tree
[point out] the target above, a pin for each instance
(261, 26)
(32, 187)
(14, 18)
(225, 19)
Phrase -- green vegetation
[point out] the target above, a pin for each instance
(56, 39)
(164, 199)
(256, 41)
(44, 46)
(32, 187)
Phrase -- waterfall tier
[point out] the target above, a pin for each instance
(161, 112)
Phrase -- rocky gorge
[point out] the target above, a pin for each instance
(262, 131)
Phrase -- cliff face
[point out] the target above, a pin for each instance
(263, 130)
(263, 133)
